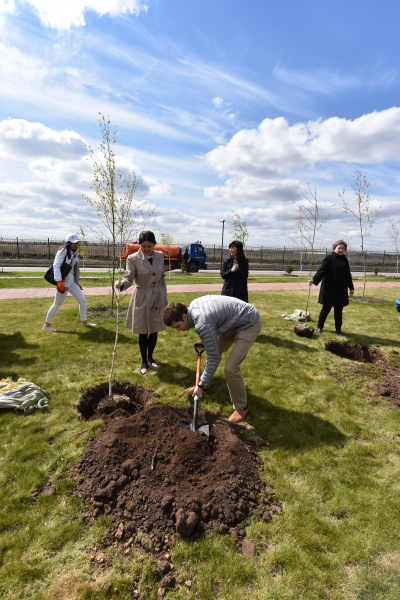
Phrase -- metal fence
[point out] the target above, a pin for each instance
(45, 249)
(281, 258)
(31, 250)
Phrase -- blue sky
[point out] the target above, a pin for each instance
(220, 107)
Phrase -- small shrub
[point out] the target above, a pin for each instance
(289, 269)
(376, 271)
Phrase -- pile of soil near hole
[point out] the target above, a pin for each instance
(153, 480)
(387, 381)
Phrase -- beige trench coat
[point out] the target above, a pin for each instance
(149, 296)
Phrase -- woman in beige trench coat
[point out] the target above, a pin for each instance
(145, 268)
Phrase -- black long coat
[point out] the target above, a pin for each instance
(235, 283)
(336, 280)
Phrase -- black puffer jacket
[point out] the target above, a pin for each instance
(336, 280)
(235, 282)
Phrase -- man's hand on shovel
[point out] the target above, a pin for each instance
(195, 390)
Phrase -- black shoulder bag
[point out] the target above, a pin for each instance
(65, 269)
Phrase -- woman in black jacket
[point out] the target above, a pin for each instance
(235, 272)
(336, 281)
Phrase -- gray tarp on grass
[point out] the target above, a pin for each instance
(22, 395)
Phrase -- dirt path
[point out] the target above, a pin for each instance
(205, 288)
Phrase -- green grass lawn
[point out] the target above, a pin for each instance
(329, 442)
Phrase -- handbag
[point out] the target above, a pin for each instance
(65, 269)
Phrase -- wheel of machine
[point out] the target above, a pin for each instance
(193, 267)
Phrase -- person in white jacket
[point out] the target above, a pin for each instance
(69, 253)
(221, 322)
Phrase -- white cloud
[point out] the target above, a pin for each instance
(17, 66)
(218, 102)
(7, 6)
(372, 138)
(63, 15)
(251, 189)
(331, 82)
(208, 76)
(44, 173)
(276, 148)
(170, 103)
(318, 81)
(31, 85)
(266, 170)
(20, 139)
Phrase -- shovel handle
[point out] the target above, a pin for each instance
(199, 347)
(198, 368)
(195, 423)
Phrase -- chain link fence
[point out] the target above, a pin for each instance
(20, 250)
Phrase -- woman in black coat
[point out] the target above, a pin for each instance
(336, 281)
(235, 272)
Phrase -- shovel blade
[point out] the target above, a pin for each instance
(203, 428)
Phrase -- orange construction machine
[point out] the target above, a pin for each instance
(193, 257)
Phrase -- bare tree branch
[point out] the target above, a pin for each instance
(362, 211)
(239, 229)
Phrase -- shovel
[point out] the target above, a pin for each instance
(198, 346)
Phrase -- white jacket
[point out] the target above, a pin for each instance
(72, 259)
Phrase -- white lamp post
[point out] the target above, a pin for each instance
(222, 243)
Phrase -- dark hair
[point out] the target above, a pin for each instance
(67, 246)
(239, 246)
(337, 244)
(174, 312)
(147, 236)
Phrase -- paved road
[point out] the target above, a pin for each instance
(11, 294)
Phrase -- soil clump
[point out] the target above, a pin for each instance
(153, 480)
(304, 330)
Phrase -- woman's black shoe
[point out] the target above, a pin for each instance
(144, 368)
(152, 362)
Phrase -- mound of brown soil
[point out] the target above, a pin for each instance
(152, 479)
(304, 330)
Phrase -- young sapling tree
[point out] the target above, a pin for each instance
(394, 237)
(83, 249)
(362, 211)
(239, 229)
(112, 202)
(308, 223)
(167, 240)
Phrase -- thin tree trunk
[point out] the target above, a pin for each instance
(114, 352)
(365, 275)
